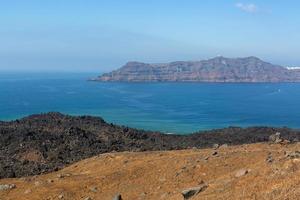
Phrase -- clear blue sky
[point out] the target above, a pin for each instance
(96, 35)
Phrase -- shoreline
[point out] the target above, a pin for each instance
(166, 132)
(48, 142)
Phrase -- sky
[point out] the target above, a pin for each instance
(98, 36)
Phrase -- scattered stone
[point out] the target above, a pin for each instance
(60, 176)
(94, 189)
(63, 175)
(61, 196)
(50, 181)
(7, 187)
(285, 142)
(117, 197)
(206, 158)
(216, 146)
(241, 172)
(190, 192)
(88, 198)
(269, 159)
(292, 155)
(295, 140)
(275, 138)
(214, 153)
(224, 146)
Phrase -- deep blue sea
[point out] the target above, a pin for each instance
(168, 107)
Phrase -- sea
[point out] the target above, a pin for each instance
(174, 108)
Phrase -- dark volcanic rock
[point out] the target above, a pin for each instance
(48, 142)
(219, 69)
(117, 197)
(189, 193)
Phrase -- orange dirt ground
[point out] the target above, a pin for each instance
(163, 175)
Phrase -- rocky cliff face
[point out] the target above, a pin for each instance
(219, 69)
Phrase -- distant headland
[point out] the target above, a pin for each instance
(218, 69)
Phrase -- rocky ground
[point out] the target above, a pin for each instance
(48, 142)
(252, 171)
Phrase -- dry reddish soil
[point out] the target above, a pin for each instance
(164, 174)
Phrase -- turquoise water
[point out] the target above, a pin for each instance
(168, 107)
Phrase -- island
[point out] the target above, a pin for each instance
(218, 69)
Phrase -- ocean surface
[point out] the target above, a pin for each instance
(169, 107)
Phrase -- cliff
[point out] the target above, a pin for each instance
(219, 69)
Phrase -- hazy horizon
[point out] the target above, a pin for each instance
(98, 36)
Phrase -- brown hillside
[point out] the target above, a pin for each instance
(254, 171)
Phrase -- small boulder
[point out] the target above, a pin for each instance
(7, 187)
(60, 176)
(224, 146)
(295, 140)
(241, 172)
(269, 159)
(293, 155)
(94, 189)
(275, 138)
(117, 197)
(216, 146)
(285, 142)
(190, 192)
(50, 181)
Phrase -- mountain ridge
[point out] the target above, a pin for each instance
(218, 69)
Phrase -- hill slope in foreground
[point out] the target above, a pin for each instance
(219, 69)
(253, 171)
(48, 142)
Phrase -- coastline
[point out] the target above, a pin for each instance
(155, 106)
(47, 142)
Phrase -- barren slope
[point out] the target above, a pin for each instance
(163, 175)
